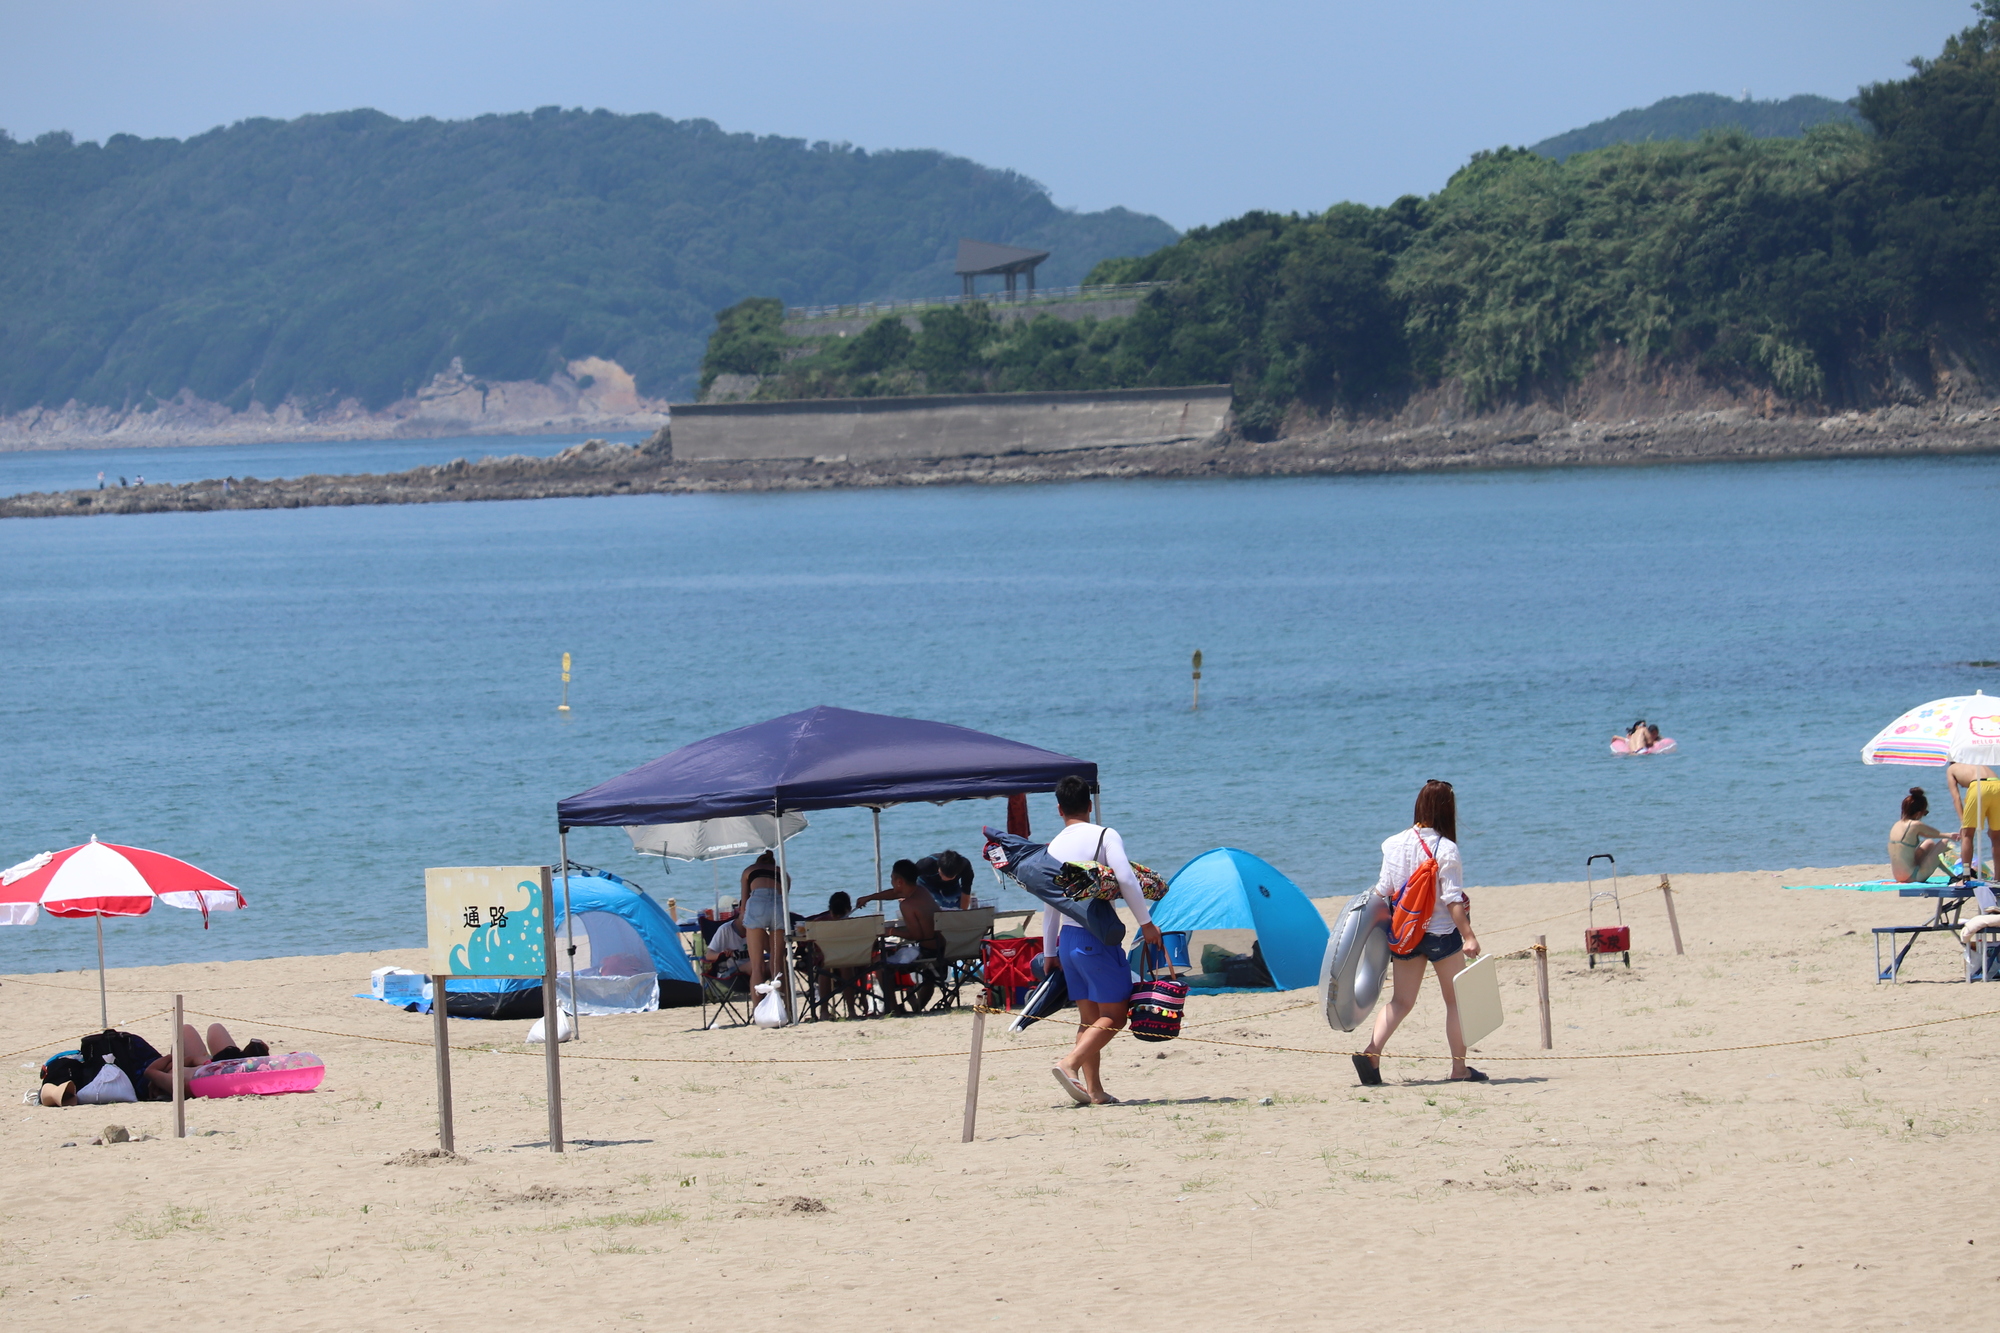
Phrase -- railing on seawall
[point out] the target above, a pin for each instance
(1042, 296)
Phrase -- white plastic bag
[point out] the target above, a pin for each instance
(770, 1012)
(110, 1085)
(565, 1029)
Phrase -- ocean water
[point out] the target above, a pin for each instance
(317, 704)
(24, 471)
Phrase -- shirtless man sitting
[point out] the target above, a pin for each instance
(918, 925)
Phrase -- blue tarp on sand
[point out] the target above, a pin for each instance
(1228, 889)
(820, 759)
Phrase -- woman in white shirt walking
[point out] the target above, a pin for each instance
(1448, 943)
(1097, 975)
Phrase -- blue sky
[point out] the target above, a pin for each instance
(1193, 111)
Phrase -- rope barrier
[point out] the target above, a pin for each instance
(160, 990)
(1629, 1055)
(41, 1045)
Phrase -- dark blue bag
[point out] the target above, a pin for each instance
(1030, 865)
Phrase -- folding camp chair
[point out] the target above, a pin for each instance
(837, 962)
(965, 935)
(725, 981)
(1007, 968)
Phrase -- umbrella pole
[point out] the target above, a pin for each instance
(783, 961)
(877, 812)
(103, 1009)
(569, 925)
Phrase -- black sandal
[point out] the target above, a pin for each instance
(1369, 1070)
(1472, 1076)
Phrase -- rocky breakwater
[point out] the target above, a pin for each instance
(1527, 437)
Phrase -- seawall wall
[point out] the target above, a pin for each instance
(947, 425)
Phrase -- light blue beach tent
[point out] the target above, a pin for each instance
(1228, 889)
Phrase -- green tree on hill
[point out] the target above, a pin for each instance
(1822, 269)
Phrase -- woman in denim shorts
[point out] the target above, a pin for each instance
(1448, 943)
(763, 919)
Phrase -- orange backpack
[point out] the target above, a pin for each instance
(1415, 904)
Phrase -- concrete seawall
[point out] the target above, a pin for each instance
(947, 425)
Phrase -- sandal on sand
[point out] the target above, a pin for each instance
(1472, 1076)
(1369, 1070)
(1077, 1092)
(1106, 1100)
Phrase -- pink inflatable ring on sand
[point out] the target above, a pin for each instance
(257, 1075)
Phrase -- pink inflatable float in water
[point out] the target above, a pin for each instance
(257, 1075)
(1664, 745)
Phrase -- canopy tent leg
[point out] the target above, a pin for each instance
(875, 810)
(784, 951)
(569, 925)
(103, 1008)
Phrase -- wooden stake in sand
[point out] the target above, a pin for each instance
(552, 1007)
(1673, 921)
(180, 1080)
(1542, 990)
(441, 1036)
(972, 1074)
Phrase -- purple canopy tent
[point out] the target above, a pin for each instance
(820, 759)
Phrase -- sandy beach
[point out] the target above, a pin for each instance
(815, 1176)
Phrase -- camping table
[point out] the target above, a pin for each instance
(1951, 901)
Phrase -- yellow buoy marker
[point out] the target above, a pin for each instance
(563, 707)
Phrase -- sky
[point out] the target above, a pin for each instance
(1192, 111)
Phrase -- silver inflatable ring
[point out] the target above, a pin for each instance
(1357, 959)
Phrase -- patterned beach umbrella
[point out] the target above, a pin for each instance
(1965, 729)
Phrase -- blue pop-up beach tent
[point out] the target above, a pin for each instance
(1228, 889)
(629, 935)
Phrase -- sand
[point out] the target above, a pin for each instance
(1836, 1184)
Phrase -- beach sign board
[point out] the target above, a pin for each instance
(486, 921)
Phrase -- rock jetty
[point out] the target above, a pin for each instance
(1528, 439)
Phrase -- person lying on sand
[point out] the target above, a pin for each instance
(1915, 848)
(195, 1053)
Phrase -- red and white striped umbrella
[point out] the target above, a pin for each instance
(104, 879)
(101, 879)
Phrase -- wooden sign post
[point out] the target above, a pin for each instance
(492, 921)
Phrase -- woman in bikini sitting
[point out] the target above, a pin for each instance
(195, 1053)
(1915, 848)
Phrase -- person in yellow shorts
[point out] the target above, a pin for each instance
(1975, 794)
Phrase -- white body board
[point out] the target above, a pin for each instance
(1479, 1012)
(1355, 962)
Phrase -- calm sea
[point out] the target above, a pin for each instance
(29, 470)
(317, 704)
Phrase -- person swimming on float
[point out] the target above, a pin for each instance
(1643, 738)
(1916, 849)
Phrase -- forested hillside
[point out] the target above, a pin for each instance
(1692, 116)
(1850, 267)
(354, 255)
